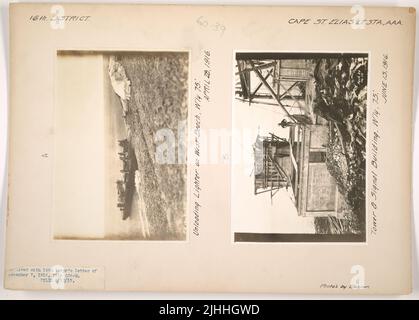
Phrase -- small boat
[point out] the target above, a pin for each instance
(126, 185)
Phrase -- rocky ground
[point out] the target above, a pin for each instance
(341, 98)
(158, 100)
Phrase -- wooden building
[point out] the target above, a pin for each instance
(298, 163)
(315, 189)
(272, 164)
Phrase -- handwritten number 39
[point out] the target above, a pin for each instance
(219, 27)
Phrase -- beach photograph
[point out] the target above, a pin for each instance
(140, 103)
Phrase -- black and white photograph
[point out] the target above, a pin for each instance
(159, 151)
(299, 172)
(125, 114)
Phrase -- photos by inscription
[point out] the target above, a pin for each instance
(307, 113)
(145, 106)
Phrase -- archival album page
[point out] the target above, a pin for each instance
(210, 148)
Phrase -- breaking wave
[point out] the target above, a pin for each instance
(121, 85)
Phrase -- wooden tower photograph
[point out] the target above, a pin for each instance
(309, 114)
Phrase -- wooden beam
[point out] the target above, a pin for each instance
(295, 55)
(263, 66)
(292, 97)
(244, 85)
(261, 83)
(280, 171)
(289, 89)
(271, 91)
